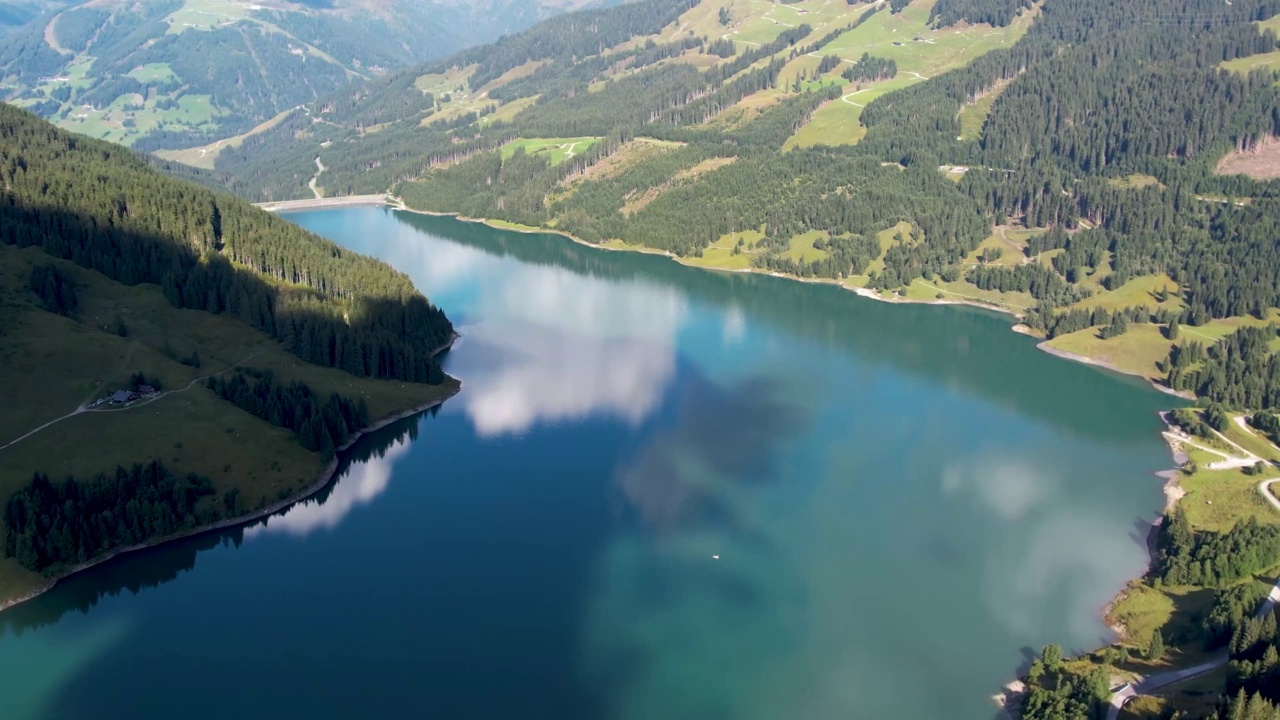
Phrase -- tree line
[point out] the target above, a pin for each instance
(1212, 559)
(320, 426)
(51, 525)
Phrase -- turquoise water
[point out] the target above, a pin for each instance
(905, 502)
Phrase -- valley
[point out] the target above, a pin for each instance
(1102, 177)
(915, 152)
(176, 75)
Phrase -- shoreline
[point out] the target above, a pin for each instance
(1172, 491)
(322, 481)
(1009, 699)
(1085, 359)
(397, 203)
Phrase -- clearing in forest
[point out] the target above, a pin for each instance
(556, 150)
(453, 80)
(801, 249)
(205, 15)
(1262, 162)
(974, 114)
(920, 52)
(206, 155)
(721, 254)
(1261, 61)
(1136, 351)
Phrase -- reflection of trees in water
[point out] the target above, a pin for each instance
(138, 571)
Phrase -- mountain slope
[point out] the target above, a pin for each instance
(269, 347)
(180, 73)
(1061, 163)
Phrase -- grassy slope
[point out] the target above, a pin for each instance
(557, 150)
(206, 155)
(892, 36)
(49, 365)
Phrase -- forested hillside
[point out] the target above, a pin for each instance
(1061, 159)
(103, 208)
(131, 306)
(181, 73)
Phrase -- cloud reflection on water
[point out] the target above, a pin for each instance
(553, 345)
(1069, 554)
(362, 483)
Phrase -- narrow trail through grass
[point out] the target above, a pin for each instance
(83, 408)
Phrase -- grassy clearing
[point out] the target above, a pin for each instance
(720, 254)
(1215, 330)
(893, 36)
(801, 249)
(1011, 246)
(1142, 290)
(1136, 351)
(204, 15)
(508, 112)
(453, 80)
(153, 73)
(974, 115)
(515, 73)
(49, 365)
(920, 51)
(1246, 65)
(1218, 499)
(1173, 611)
(557, 150)
(504, 225)
(929, 291)
(834, 123)
(1136, 181)
(206, 155)
(1252, 441)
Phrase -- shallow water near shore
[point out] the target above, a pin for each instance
(905, 501)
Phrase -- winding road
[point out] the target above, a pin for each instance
(312, 184)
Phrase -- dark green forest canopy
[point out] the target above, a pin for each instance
(50, 525)
(104, 208)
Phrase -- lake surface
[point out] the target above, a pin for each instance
(905, 501)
